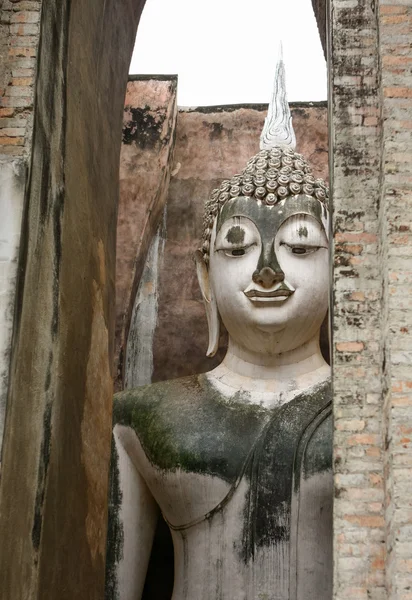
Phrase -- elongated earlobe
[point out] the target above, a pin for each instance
(209, 301)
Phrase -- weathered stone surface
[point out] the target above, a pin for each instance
(320, 10)
(211, 144)
(57, 439)
(145, 164)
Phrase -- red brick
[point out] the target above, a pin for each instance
(25, 16)
(22, 81)
(397, 92)
(6, 112)
(23, 52)
(390, 9)
(350, 346)
(11, 141)
(366, 238)
(366, 520)
(11, 132)
(367, 439)
(357, 296)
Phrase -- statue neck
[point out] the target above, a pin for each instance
(271, 379)
(285, 366)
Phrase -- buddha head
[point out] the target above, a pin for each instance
(263, 264)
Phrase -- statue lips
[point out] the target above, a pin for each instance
(279, 294)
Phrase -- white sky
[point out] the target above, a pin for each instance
(224, 51)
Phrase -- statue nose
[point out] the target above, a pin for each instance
(267, 277)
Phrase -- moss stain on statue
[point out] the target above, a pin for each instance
(203, 412)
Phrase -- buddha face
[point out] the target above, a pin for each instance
(269, 273)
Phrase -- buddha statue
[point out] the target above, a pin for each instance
(239, 460)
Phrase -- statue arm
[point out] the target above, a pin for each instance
(133, 515)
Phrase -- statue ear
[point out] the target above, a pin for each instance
(209, 301)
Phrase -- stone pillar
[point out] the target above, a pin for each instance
(57, 437)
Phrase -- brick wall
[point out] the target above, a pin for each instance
(371, 138)
(396, 202)
(355, 139)
(19, 36)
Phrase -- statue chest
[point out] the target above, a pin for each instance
(247, 492)
(270, 535)
(197, 446)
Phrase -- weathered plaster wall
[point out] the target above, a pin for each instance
(145, 164)
(19, 36)
(12, 184)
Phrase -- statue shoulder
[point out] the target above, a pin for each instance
(187, 423)
(153, 399)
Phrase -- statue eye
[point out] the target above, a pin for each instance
(238, 252)
(300, 250)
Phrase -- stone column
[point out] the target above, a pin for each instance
(57, 436)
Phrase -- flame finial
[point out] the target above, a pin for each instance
(278, 128)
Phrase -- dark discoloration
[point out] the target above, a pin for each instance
(280, 455)
(115, 532)
(236, 235)
(144, 128)
(303, 232)
(41, 478)
(215, 130)
(57, 240)
(153, 77)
